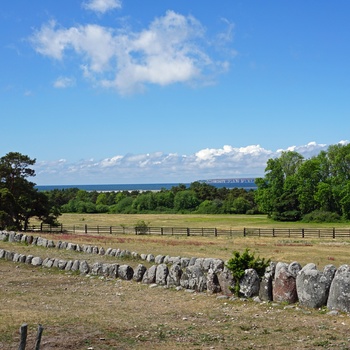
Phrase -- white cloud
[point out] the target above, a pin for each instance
(102, 6)
(225, 162)
(171, 50)
(64, 82)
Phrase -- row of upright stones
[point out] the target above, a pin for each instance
(281, 282)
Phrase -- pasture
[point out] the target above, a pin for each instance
(80, 312)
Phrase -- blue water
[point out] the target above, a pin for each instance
(138, 187)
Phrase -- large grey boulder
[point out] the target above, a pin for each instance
(226, 282)
(96, 269)
(174, 276)
(37, 261)
(249, 284)
(339, 293)
(213, 285)
(84, 267)
(284, 284)
(162, 274)
(194, 278)
(313, 285)
(159, 259)
(149, 276)
(139, 272)
(125, 272)
(265, 290)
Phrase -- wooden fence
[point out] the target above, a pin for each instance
(186, 231)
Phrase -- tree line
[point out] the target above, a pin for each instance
(314, 189)
(198, 198)
(293, 189)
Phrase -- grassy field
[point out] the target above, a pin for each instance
(81, 312)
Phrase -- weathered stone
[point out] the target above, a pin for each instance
(249, 284)
(37, 261)
(139, 272)
(62, 264)
(71, 246)
(4, 236)
(109, 251)
(192, 261)
(75, 266)
(96, 269)
(213, 285)
(218, 265)
(313, 286)
(150, 258)
(339, 293)
(64, 245)
(194, 278)
(35, 239)
(2, 253)
(29, 239)
(50, 243)
(265, 290)
(102, 251)
(174, 276)
(22, 258)
(162, 274)
(284, 285)
(113, 252)
(11, 237)
(143, 256)
(125, 272)
(69, 265)
(159, 259)
(84, 267)
(9, 255)
(294, 268)
(29, 259)
(15, 257)
(113, 271)
(48, 262)
(95, 250)
(185, 262)
(207, 264)
(226, 282)
(150, 275)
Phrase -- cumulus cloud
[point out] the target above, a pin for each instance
(173, 49)
(208, 163)
(102, 6)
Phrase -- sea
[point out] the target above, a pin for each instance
(142, 187)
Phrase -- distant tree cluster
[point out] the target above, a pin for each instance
(19, 200)
(197, 198)
(315, 189)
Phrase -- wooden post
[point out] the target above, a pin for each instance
(85, 228)
(188, 231)
(38, 337)
(23, 330)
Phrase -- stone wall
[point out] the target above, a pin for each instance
(282, 282)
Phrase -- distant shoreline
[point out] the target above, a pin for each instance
(149, 187)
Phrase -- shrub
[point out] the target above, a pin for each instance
(321, 216)
(141, 227)
(241, 262)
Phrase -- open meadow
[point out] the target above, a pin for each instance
(89, 312)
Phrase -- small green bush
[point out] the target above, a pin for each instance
(141, 227)
(241, 262)
(321, 216)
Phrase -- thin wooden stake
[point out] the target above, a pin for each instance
(38, 337)
(23, 331)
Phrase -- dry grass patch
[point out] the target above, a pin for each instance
(82, 312)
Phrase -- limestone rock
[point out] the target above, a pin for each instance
(174, 276)
(125, 272)
(249, 284)
(284, 285)
(162, 274)
(139, 272)
(339, 293)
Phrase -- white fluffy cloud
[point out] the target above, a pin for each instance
(171, 50)
(226, 162)
(102, 6)
(63, 82)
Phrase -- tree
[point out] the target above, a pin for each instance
(19, 200)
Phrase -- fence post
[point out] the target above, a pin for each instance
(273, 232)
(215, 232)
(188, 231)
(110, 229)
(161, 231)
(86, 230)
(333, 232)
(38, 337)
(302, 233)
(23, 331)
(244, 232)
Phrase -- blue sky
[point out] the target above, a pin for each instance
(121, 91)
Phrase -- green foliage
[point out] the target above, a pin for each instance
(141, 227)
(241, 262)
(321, 216)
(19, 200)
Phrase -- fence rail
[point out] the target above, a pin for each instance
(186, 231)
